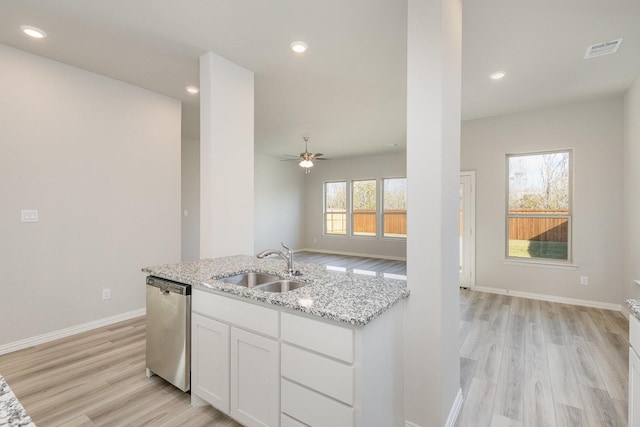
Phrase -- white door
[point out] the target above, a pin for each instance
(467, 229)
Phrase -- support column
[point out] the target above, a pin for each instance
(432, 363)
(226, 158)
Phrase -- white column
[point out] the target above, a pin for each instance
(226, 158)
(432, 364)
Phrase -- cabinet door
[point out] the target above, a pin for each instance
(210, 361)
(634, 388)
(255, 379)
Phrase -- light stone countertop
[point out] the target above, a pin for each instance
(634, 307)
(12, 413)
(347, 297)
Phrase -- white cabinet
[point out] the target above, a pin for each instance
(210, 361)
(235, 367)
(634, 372)
(255, 378)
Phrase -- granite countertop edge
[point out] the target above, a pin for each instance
(12, 413)
(346, 297)
(634, 307)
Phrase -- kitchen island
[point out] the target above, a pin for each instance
(328, 353)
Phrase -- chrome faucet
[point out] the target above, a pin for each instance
(288, 257)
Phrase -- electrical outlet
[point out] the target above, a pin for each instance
(584, 280)
(106, 294)
(29, 215)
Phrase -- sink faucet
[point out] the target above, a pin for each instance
(288, 257)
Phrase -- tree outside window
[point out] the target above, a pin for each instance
(539, 205)
(394, 202)
(335, 208)
(363, 200)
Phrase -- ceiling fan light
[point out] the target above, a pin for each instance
(306, 163)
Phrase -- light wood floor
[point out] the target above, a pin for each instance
(523, 363)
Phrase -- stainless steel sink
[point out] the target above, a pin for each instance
(249, 280)
(281, 286)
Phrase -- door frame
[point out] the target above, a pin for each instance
(469, 224)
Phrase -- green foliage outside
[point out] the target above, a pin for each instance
(536, 249)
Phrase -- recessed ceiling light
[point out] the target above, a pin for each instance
(497, 75)
(34, 32)
(299, 47)
(192, 90)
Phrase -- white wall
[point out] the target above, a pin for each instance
(226, 158)
(190, 199)
(366, 167)
(100, 161)
(631, 224)
(595, 130)
(279, 203)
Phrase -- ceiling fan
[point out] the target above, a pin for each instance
(306, 158)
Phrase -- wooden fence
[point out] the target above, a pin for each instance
(364, 222)
(545, 229)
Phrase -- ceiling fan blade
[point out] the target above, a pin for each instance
(290, 160)
(317, 155)
(290, 155)
(321, 158)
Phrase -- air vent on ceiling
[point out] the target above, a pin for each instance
(604, 48)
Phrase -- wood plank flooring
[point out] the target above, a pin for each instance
(536, 363)
(97, 378)
(523, 363)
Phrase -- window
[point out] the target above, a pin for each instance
(539, 205)
(364, 207)
(335, 208)
(394, 203)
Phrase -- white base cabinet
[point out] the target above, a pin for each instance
(273, 367)
(255, 377)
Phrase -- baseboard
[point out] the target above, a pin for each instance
(52, 336)
(455, 410)
(550, 298)
(322, 251)
(453, 413)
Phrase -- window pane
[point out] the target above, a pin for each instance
(335, 207)
(535, 237)
(539, 183)
(539, 205)
(394, 200)
(364, 208)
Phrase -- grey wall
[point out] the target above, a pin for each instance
(631, 223)
(190, 199)
(378, 166)
(100, 161)
(595, 131)
(279, 203)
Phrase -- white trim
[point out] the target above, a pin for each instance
(541, 264)
(453, 413)
(625, 312)
(62, 333)
(322, 251)
(470, 220)
(551, 298)
(455, 410)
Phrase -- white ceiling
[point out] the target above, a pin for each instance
(348, 91)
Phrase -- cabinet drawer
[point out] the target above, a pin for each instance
(241, 313)
(328, 376)
(314, 409)
(332, 340)
(634, 332)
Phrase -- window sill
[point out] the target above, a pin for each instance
(541, 264)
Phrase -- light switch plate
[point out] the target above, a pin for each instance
(29, 215)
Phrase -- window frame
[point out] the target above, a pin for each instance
(346, 208)
(569, 215)
(375, 213)
(382, 209)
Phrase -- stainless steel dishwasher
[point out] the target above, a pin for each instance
(169, 331)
